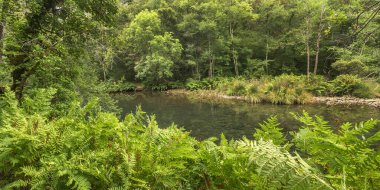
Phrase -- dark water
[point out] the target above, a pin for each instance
(234, 119)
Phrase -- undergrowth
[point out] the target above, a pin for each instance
(289, 89)
(91, 149)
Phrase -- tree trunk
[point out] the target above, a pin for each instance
(317, 54)
(233, 53)
(320, 28)
(307, 48)
(236, 65)
(308, 60)
(3, 23)
(21, 74)
(211, 60)
(266, 57)
(18, 84)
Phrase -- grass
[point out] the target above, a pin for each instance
(286, 89)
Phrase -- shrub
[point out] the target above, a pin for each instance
(192, 85)
(354, 67)
(254, 91)
(159, 87)
(204, 84)
(374, 87)
(318, 86)
(236, 88)
(362, 91)
(176, 85)
(350, 85)
(287, 89)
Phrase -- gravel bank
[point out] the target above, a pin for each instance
(347, 101)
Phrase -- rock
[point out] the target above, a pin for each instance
(347, 101)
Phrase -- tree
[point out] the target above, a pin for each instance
(152, 50)
(157, 65)
(321, 26)
(44, 30)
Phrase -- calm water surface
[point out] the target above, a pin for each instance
(234, 119)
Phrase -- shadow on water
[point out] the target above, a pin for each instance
(234, 119)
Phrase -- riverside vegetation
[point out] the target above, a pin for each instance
(289, 89)
(88, 148)
(57, 56)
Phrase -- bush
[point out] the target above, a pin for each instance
(254, 91)
(287, 89)
(192, 85)
(159, 87)
(353, 67)
(236, 88)
(176, 85)
(318, 86)
(350, 85)
(362, 91)
(374, 87)
(204, 84)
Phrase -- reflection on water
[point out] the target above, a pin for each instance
(207, 119)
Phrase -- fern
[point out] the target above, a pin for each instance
(278, 169)
(90, 149)
(347, 156)
(270, 131)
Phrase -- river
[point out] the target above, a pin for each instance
(234, 119)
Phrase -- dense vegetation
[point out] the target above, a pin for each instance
(287, 89)
(165, 41)
(59, 59)
(92, 149)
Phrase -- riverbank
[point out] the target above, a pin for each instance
(213, 95)
(375, 102)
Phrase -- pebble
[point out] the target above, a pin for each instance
(347, 101)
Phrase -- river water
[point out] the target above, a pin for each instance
(234, 119)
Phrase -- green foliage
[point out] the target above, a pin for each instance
(318, 85)
(5, 77)
(119, 86)
(255, 90)
(269, 131)
(9, 109)
(284, 89)
(157, 66)
(159, 87)
(154, 69)
(287, 89)
(91, 149)
(176, 85)
(374, 86)
(39, 101)
(350, 85)
(192, 85)
(353, 67)
(52, 52)
(204, 84)
(155, 51)
(236, 88)
(348, 156)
